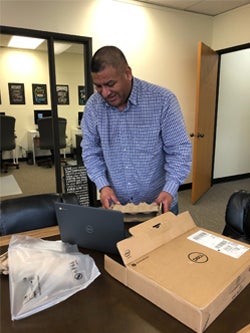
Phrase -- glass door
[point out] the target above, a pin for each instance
(37, 82)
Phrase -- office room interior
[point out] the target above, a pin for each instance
(160, 44)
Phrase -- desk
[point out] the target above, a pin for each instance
(33, 146)
(107, 306)
(75, 131)
(32, 136)
(78, 138)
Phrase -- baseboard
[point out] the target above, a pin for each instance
(188, 186)
(26, 159)
(184, 187)
(231, 178)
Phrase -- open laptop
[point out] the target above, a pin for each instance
(90, 227)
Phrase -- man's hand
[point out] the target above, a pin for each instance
(165, 199)
(107, 195)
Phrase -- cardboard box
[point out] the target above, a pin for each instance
(245, 329)
(191, 273)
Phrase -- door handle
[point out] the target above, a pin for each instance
(199, 135)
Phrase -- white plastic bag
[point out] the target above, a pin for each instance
(43, 273)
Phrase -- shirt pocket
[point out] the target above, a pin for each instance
(147, 139)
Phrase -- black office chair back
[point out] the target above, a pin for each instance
(45, 129)
(238, 216)
(31, 212)
(7, 133)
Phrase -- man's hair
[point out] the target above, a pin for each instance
(108, 56)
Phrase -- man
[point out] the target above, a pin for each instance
(135, 146)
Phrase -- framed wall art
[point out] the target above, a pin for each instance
(62, 94)
(39, 93)
(16, 93)
(81, 95)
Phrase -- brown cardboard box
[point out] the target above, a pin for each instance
(191, 273)
(245, 329)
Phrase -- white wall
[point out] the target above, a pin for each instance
(160, 43)
(232, 153)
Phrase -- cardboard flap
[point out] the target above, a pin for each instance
(152, 234)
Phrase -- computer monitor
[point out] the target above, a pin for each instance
(79, 118)
(39, 114)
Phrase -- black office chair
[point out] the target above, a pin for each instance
(238, 216)
(7, 141)
(31, 212)
(46, 140)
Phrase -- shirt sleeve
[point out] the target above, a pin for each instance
(176, 144)
(91, 149)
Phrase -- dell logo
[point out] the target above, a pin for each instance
(127, 253)
(89, 229)
(198, 257)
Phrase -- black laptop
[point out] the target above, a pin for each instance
(90, 227)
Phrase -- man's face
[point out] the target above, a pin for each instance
(114, 85)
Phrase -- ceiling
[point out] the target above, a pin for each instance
(207, 7)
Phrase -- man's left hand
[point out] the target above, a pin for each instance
(165, 199)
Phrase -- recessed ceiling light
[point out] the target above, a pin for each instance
(25, 42)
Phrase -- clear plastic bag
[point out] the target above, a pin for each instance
(43, 273)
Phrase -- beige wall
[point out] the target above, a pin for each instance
(19, 66)
(160, 44)
(28, 66)
(231, 28)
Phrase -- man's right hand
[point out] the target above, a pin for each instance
(107, 196)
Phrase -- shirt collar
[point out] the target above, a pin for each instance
(133, 97)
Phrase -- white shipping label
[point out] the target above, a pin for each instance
(218, 244)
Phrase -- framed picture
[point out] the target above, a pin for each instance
(81, 95)
(39, 93)
(62, 94)
(16, 93)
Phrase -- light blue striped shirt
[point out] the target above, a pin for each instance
(140, 151)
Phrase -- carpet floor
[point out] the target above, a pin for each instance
(209, 211)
